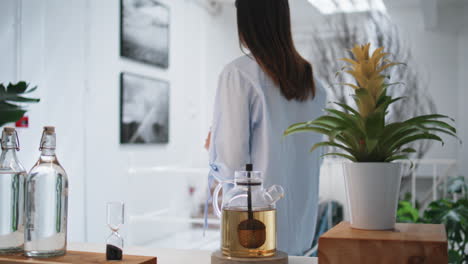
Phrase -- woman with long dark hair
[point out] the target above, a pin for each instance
(259, 96)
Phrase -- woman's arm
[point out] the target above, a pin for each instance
(208, 141)
(230, 133)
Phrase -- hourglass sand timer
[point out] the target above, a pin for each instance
(115, 218)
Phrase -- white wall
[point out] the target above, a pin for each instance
(50, 55)
(436, 55)
(108, 161)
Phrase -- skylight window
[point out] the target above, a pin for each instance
(328, 7)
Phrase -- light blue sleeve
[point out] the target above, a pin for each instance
(231, 128)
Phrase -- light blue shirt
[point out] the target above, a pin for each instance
(250, 116)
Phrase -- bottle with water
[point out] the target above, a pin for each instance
(46, 203)
(12, 179)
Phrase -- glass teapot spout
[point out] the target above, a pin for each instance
(273, 194)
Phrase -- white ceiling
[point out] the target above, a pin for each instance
(439, 15)
(391, 4)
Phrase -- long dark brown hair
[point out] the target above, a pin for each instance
(264, 27)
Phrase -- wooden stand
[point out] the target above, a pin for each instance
(218, 258)
(77, 257)
(408, 243)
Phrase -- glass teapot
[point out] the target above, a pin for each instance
(248, 214)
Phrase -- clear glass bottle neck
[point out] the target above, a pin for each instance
(8, 156)
(9, 141)
(47, 146)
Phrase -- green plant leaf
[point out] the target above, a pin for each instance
(307, 129)
(30, 90)
(18, 88)
(457, 185)
(8, 106)
(454, 257)
(297, 125)
(9, 111)
(435, 129)
(452, 214)
(16, 98)
(371, 144)
(328, 122)
(427, 117)
(350, 139)
(408, 139)
(8, 116)
(406, 213)
(347, 120)
(391, 129)
(375, 124)
(335, 132)
(439, 124)
(387, 142)
(387, 102)
(408, 150)
(349, 108)
(330, 144)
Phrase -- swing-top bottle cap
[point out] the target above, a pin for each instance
(49, 129)
(8, 139)
(9, 130)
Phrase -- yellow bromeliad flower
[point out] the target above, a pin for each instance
(367, 70)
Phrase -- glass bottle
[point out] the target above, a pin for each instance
(46, 203)
(12, 180)
(248, 215)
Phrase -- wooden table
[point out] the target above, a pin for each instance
(164, 256)
(408, 243)
(173, 256)
(76, 257)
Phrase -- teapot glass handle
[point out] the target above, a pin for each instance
(216, 208)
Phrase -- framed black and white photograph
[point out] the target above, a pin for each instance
(144, 32)
(144, 110)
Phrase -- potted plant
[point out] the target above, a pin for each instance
(10, 96)
(372, 143)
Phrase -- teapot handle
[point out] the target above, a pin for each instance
(216, 208)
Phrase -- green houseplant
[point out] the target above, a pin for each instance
(11, 96)
(366, 138)
(452, 211)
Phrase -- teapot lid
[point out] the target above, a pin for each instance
(248, 178)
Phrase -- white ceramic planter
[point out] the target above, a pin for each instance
(372, 191)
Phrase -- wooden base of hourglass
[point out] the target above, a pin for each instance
(280, 258)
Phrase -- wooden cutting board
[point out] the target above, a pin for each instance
(77, 257)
